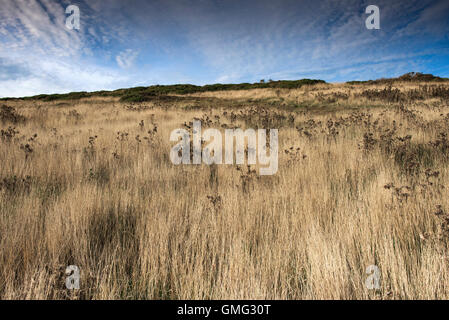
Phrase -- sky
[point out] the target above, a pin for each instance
(132, 43)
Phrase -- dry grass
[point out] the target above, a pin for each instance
(362, 181)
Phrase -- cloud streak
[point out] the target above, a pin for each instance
(126, 58)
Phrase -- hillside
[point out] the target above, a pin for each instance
(140, 94)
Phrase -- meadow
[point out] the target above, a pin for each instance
(363, 180)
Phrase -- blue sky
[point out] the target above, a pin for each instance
(137, 43)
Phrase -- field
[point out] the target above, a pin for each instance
(363, 180)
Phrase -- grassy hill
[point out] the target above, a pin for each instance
(140, 94)
(408, 77)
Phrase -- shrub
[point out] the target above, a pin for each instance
(9, 114)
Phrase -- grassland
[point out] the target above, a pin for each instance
(363, 180)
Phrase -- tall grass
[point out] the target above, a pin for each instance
(90, 184)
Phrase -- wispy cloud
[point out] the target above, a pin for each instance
(126, 58)
(40, 55)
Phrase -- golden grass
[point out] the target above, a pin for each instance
(98, 191)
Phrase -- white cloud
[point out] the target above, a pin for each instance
(126, 58)
(52, 58)
(50, 75)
